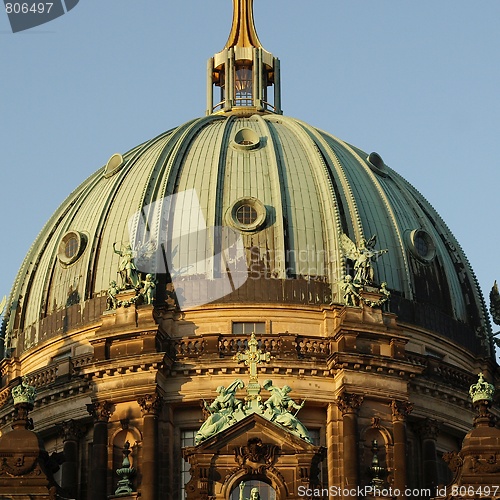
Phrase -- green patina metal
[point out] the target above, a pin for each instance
(227, 410)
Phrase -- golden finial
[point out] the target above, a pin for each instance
(243, 32)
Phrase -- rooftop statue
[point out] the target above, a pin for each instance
(363, 255)
(148, 291)
(350, 291)
(225, 410)
(111, 300)
(279, 406)
(127, 267)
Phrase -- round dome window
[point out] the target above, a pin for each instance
(421, 245)
(71, 247)
(247, 214)
(376, 163)
(246, 138)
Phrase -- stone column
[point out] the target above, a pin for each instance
(330, 433)
(150, 406)
(400, 410)
(98, 477)
(71, 432)
(349, 405)
(429, 431)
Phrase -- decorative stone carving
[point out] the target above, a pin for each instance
(401, 409)
(20, 464)
(349, 403)
(489, 465)
(256, 456)
(454, 461)
(150, 404)
(100, 411)
(429, 429)
(71, 431)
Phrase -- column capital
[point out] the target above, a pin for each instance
(100, 410)
(429, 428)
(349, 403)
(150, 404)
(70, 430)
(400, 410)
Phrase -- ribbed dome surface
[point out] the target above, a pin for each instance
(314, 187)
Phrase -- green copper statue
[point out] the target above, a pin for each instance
(362, 255)
(127, 267)
(225, 410)
(254, 493)
(279, 405)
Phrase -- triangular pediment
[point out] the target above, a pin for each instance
(255, 426)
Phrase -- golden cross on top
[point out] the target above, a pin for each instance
(252, 357)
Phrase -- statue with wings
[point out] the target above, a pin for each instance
(363, 255)
(495, 310)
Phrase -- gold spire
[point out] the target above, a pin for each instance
(243, 32)
(243, 70)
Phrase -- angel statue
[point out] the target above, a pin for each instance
(362, 255)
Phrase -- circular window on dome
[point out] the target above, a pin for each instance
(421, 245)
(377, 164)
(71, 247)
(246, 138)
(114, 165)
(247, 214)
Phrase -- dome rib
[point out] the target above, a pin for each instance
(277, 186)
(405, 277)
(330, 215)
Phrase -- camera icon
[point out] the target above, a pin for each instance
(26, 14)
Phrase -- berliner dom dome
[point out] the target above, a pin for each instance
(246, 235)
(306, 187)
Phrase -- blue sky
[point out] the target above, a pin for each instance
(418, 82)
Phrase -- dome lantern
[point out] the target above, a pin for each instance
(243, 71)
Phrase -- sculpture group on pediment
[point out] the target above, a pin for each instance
(279, 406)
(226, 410)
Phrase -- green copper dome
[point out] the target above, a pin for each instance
(290, 190)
